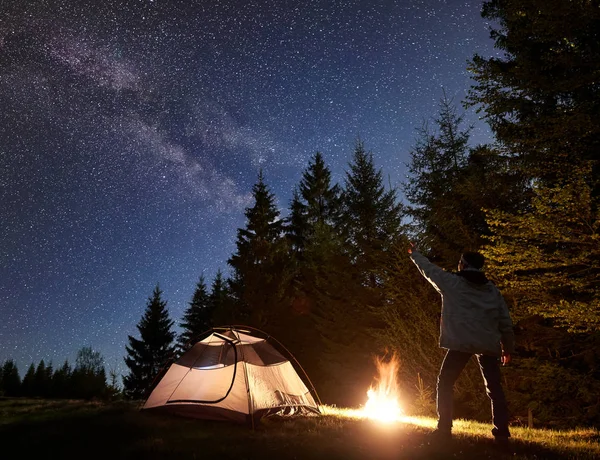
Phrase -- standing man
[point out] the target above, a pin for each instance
(474, 321)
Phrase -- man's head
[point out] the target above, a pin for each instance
(471, 261)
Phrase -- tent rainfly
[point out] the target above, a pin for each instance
(233, 374)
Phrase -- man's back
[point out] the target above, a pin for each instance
(475, 318)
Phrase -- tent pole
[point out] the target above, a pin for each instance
(249, 393)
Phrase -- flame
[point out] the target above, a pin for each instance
(383, 402)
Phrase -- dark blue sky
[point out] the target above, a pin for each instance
(131, 133)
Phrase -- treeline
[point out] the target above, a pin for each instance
(310, 278)
(87, 380)
(332, 278)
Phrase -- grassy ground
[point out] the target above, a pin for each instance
(31, 429)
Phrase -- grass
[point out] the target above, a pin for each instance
(32, 429)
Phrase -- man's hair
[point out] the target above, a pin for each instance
(473, 259)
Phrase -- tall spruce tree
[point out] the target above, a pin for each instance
(336, 340)
(541, 96)
(219, 299)
(317, 259)
(41, 383)
(11, 381)
(313, 230)
(314, 216)
(315, 203)
(28, 384)
(259, 261)
(296, 226)
(436, 161)
(62, 381)
(146, 356)
(197, 317)
(371, 217)
(450, 184)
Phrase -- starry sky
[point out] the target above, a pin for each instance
(131, 133)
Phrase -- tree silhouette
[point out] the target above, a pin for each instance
(147, 355)
(10, 382)
(259, 263)
(197, 317)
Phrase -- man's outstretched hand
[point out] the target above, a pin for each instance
(505, 359)
(412, 247)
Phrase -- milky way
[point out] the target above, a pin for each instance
(131, 133)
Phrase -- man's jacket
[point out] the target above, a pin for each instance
(475, 317)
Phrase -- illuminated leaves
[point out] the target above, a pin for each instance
(548, 258)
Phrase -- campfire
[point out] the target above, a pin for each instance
(383, 397)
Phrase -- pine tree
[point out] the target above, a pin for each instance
(321, 196)
(147, 356)
(297, 225)
(371, 217)
(41, 384)
(11, 381)
(48, 380)
(312, 231)
(197, 317)
(436, 162)
(219, 299)
(62, 382)
(450, 184)
(28, 384)
(541, 96)
(312, 226)
(545, 259)
(259, 261)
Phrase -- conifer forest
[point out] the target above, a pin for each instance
(330, 277)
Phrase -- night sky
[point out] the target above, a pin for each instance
(131, 133)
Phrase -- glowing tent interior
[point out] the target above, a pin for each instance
(236, 374)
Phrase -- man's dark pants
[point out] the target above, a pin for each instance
(454, 363)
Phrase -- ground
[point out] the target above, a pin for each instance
(31, 429)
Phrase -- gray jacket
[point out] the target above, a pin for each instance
(475, 317)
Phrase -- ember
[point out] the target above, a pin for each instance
(383, 398)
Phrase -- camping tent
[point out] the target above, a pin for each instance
(233, 374)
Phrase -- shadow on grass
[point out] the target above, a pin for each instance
(120, 431)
